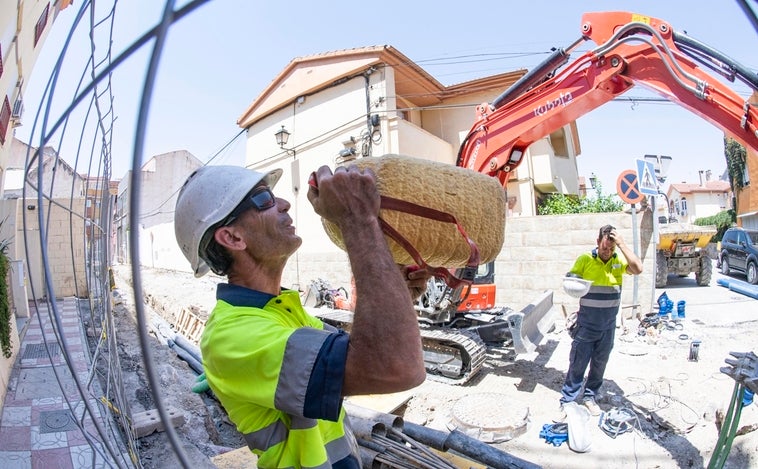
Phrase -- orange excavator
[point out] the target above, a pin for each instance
(631, 50)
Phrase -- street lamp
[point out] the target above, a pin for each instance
(282, 137)
(593, 180)
(661, 165)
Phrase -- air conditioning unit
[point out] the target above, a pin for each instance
(18, 108)
(17, 111)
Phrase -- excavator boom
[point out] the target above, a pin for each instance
(632, 50)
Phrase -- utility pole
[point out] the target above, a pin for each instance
(661, 165)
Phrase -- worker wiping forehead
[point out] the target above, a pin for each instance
(594, 331)
(606, 242)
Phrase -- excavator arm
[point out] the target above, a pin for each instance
(632, 50)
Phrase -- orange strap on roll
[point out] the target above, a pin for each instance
(451, 280)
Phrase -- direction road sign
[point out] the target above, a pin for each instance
(626, 187)
(646, 177)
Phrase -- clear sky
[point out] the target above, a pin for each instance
(218, 59)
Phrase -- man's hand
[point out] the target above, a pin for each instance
(347, 196)
(614, 236)
(635, 263)
(744, 369)
(416, 278)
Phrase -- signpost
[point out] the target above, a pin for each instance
(628, 188)
(650, 176)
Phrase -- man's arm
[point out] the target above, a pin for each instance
(385, 352)
(634, 266)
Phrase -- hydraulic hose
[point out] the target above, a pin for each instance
(533, 77)
(715, 60)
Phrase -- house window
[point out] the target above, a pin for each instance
(5, 117)
(39, 28)
(684, 207)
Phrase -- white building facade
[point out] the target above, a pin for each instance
(375, 101)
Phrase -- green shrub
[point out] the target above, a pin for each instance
(5, 310)
(723, 221)
(560, 204)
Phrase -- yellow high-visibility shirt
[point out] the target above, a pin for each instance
(278, 372)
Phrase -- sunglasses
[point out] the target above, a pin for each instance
(260, 198)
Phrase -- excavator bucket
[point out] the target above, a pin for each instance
(529, 326)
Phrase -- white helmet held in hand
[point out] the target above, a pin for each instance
(207, 197)
(576, 287)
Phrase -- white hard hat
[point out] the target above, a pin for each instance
(206, 198)
(576, 287)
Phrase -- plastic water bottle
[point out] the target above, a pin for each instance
(680, 309)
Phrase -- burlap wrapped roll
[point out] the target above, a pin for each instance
(476, 200)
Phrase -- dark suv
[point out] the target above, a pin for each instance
(739, 252)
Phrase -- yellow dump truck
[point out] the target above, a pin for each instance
(681, 250)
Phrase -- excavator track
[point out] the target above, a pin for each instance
(450, 356)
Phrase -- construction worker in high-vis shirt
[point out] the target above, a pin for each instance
(280, 373)
(595, 329)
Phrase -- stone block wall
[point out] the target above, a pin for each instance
(539, 251)
(65, 247)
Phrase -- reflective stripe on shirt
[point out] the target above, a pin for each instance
(343, 450)
(303, 344)
(602, 297)
(598, 308)
(267, 437)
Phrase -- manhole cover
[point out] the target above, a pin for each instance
(33, 351)
(490, 417)
(56, 421)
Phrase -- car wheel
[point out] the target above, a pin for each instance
(752, 273)
(724, 266)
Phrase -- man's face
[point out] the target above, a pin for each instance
(269, 232)
(605, 246)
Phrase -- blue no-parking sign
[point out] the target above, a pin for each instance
(627, 187)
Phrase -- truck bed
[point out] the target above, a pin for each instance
(670, 233)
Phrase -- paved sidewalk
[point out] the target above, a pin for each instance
(42, 416)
